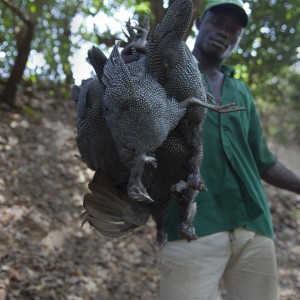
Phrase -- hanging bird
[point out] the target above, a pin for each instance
(152, 109)
(140, 116)
(179, 158)
(108, 207)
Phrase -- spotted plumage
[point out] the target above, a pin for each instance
(140, 117)
(139, 127)
(179, 158)
(108, 207)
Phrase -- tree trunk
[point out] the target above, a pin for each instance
(9, 93)
(23, 47)
(157, 11)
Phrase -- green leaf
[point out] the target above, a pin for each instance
(31, 112)
(33, 8)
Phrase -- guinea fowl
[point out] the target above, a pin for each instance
(142, 119)
(108, 207)
(140, 116)
(179, 158)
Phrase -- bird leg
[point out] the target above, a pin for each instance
(194, 182)
(186, 214)
(140, 37)
(161, 236)
(159, 214)
(186, 191)
(231, 107)
(135, 187)
(137, 40)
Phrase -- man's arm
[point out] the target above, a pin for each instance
(282, 177)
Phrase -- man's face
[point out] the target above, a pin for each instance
(219, 33)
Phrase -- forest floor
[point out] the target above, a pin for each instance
(44, 254)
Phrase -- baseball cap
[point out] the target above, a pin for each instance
(234, 5)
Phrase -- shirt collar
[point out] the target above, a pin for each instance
(228, 70)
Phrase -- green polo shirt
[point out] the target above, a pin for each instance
(235, 155)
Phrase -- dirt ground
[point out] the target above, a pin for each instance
(44, 254)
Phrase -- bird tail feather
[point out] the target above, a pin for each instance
(97, 59)
(107, 211)
(115, 72)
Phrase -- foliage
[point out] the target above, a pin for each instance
(271, 40)
(52, 38)
(280, 107)
(268, 60)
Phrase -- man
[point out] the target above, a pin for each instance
(233, 220)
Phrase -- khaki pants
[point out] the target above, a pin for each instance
(244, 260)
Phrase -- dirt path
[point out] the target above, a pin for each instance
(43, 252)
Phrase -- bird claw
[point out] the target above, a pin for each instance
(231, 107)
(85, 218)
(151, 160)
(139, 194)
(196, 183)
(187, 231)
(161, 239)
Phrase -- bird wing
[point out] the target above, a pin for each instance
(115, 71)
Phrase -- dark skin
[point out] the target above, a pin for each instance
(218, 35)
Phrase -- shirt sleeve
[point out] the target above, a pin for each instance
(263, 157)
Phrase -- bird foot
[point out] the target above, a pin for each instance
(161, 239)
(231, 107)
(217, 108)
(151, 160)
(139, 194)
(178, 187)
(187, 231)
(196, 183)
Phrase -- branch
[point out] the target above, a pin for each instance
(108, 41)
(16, 11)
(157, 10)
